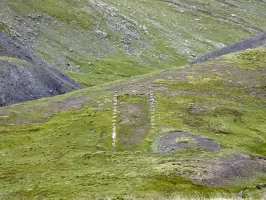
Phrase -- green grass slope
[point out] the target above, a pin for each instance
(100, 41)
(62, 147)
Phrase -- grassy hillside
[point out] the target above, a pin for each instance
(100, 41)
(75, 146)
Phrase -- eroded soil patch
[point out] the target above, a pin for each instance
(180, 141)
(230, 170)
(134, 125)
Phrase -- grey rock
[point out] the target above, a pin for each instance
(25, 77)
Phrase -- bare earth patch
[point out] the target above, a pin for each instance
(133, 127)
(170, 143)
(230, 170)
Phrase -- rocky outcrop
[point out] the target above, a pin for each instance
(254, 42)
(25, 77)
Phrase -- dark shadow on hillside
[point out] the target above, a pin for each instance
(258, 41)
(25, 77)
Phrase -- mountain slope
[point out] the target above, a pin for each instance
(100, 41)
(194, 131)
(258, 41)
(25, 77)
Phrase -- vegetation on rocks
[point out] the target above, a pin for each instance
(4, 28)
(184, 140)
(101, 41)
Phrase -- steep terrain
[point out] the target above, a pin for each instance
(25, 77)
(100, 41)
(258, 41)
(192, 131)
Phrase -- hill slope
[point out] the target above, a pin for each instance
(255, 42)
(100, 41)
(194, 131)
(25, 77)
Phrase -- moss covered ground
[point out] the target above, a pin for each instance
(4, 28)
(61, 147)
